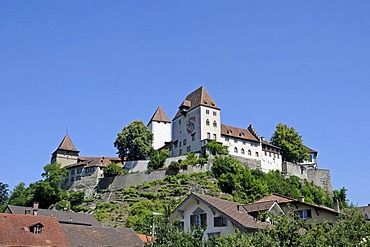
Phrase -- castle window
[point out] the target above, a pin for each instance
(207, 122)
(236, 150)
(175, 143)
(257, 154)
(242, 151)
(214, 124)
(188, 149)
(265, 153)
(214, 136)
(227, 138)
(274, 155)
(193, 137)
(180, 121)
(180, 144)
(278, 156)
(180, 152)
(207, 111)
(269, 154)
(208, 135)
(214, 113)
(184, 142)
(249, 152)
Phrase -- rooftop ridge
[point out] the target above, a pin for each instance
(160, 116)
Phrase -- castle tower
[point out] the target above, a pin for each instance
(160, 126)
(66, 153)
(196, 122)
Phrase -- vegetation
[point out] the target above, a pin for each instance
(217, 148)
(290, 142)
(112, 170)
(134, 142)
(350, 230)
(4, 194)
(157, 159)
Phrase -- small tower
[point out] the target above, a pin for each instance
(160, 126)
(66, 153)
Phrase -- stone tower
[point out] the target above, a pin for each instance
(160, 126)
(66, 153)
(196, 122)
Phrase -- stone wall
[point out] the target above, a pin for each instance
(249, 163)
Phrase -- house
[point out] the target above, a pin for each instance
(31, 230)
(221, 217)
(160, 126)
(101, 236)
(63, 217)
(310, 212)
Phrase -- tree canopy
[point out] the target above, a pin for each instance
(112, 170)
(290, 142)
(134, 142)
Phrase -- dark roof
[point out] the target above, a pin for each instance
(63, 217)
(199, 97)
(67, 145)
(160, 116)
(234, 211)
(101, 236)
(94, 161)
(239, 133)
(266, 143)
(16, 230)
(259, 206)
(288, 200)
(310, 150)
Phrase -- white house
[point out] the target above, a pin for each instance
(221, 217)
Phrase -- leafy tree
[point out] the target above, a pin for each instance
(134, 142)
(342, 197)
(4, 193)
(217, 148)
(20, 196)
(290, 142)
(112, 170)
(157, 159)
(54, 174)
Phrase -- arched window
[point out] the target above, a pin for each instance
(242, 151)
(257, 154)
(235, 150)
(214, 124)
(249, 152)
(207, 122)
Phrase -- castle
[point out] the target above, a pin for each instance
(197, 121)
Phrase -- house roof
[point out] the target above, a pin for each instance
(94, 161)
(67, 144)
(63, 217)
(234, 211)
(15, 231)
(259, 206)
(310, 150)
(199, 97)
(288, 200)
(160, 116)
(266, 143)
(145, 238)
(101, 236)
(239, 133)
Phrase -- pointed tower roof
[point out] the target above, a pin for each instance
(160, 116)
(67, 144)
(199, 97)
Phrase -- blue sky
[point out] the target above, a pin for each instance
(95, 66)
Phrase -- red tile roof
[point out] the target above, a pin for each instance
(199, 97)
(160, 116)
(239, 133)
(15, 231)
(95, 161)
(275, 197)
(67, 144)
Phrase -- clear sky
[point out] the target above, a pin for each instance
(95, 66)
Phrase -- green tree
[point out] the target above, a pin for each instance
(54, 174)
(342, 197)
(157, 159)
(4, 195)
(134, 142)
(112, 170)
(21, 195)
(290, 142)
(217, 148)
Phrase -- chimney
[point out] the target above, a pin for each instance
(35, 208)
(301, 199)
(336, 204)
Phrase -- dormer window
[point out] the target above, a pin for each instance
(36, 229)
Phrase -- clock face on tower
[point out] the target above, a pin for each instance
(190, 124)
